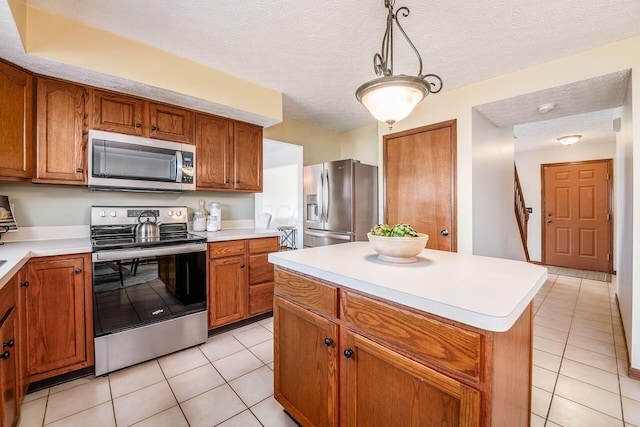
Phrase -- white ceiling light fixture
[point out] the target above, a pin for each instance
(391, 98)
(546, 108)
(569, 139)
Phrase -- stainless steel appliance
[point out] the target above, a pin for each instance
(132, 163)
(341, 201)
(149, 292)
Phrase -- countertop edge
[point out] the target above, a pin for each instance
(467, 317)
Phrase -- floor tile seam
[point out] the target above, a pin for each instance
(589, 407)
(573, 344)
(184, 372)
(153, 415)
(76, 413)
(138, 389)
(247, 373)
(592, 385)
(250, 408)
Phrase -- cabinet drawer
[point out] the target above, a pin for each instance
(260, 269)
(260, 298)
(318, 296)
(223, 249)
(418, 336)
(265, 245)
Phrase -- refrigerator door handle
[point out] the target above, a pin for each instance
(327, 191)
(321, 196)
(326, 234)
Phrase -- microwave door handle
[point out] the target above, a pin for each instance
(178, 166)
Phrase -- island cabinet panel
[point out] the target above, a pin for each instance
(396, 365)
(59, 319)
(16, 123)
(9, 355)
(385, 388)
(306, 364)
(62, 132)
(427, 339)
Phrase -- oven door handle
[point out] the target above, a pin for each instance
(118, 254)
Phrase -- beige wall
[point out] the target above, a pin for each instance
(360, 144)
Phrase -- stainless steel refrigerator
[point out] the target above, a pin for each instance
(341, 202)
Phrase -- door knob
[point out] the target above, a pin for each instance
(444, 232)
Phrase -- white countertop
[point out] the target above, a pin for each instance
(487, 293)
(46, 241)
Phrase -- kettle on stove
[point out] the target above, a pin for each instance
(147, 230)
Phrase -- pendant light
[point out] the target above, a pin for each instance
(391, 98)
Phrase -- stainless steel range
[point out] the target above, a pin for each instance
(149, 284)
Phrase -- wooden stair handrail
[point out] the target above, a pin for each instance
(522, 214)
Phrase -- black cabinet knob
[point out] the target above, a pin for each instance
(348, 353)
(153, 127)
(5, 355)
(328, 341)
(138, 125)
(78, 270)
(79, 170)
(24, 284)
(9, 344)
(226, 181)
(241, 265)
(237, 181)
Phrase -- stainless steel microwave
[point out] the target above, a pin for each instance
(132, 163)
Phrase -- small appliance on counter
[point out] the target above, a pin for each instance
(149, 284)
(7, 220)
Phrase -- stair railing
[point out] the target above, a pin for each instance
(522, 214)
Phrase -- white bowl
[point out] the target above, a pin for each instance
(398, 249)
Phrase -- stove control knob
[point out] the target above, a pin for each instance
(102, 214)
(113, 213)
(178, 213)
(170, 213)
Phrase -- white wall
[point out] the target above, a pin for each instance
(282, 185)
(495, 229)
(626, 230)
(528, 164)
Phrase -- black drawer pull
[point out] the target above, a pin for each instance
(78, 270)
(24, 284)
(348, 353)
(9, 344)
(328, 341)
(5, 355)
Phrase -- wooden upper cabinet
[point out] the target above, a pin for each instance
(135, 116)
(118, 113)
(247, 157)
(170, 123)
(213, 152)
(62, 126)
(16, 124)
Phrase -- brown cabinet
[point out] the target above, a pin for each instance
(9, 355)
(379, 363)
(116, 112)
(16, 124)
(59, 321)
(240, 279)
(229, 155)
(62, 126)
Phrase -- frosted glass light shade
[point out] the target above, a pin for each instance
(569, 139)
(392, 98)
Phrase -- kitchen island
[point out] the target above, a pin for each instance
(443, 341)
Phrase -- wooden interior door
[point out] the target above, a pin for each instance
(576, 228)
(419, 182)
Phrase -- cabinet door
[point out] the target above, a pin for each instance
(227, 290)
(384, 388)
(16, 123)
(62, 132)
(247, 157)
(306, 365)
(170, 123)
(8, 370)
(56, 306)
(118, 113)
(214, 153)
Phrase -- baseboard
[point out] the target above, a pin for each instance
(535, 262)
(632, 372)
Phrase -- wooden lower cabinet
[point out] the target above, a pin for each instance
(58, 315)
(306, 368)
(240, 280)
(344, 358)
(9, 355)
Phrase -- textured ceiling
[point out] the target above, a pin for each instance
(318, 52)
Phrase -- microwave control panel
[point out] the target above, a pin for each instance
(187, 167)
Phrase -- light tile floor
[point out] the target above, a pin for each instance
(579, 375)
